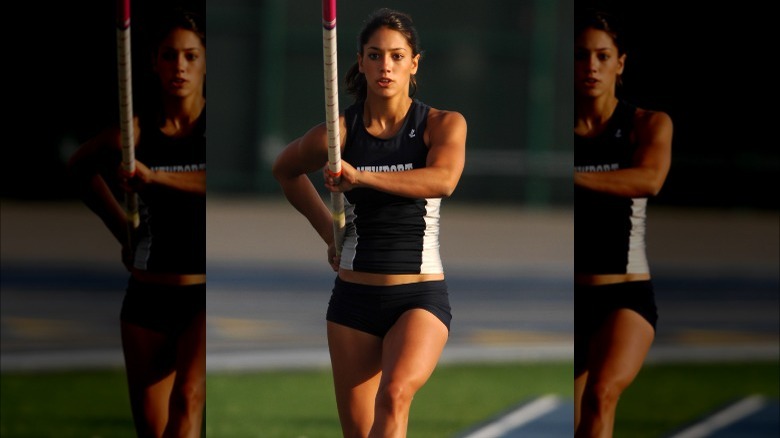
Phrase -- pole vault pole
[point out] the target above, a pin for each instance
(330, 64)
(124, 67)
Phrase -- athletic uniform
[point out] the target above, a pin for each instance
(388, 234)
(171, 236)
(609, 233)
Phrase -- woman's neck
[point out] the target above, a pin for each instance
(593, 114)
(383, 117)
(180, 114)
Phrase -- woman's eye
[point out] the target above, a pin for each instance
(373, 56)
(191, 57)
(168, 56)
(398, 56)
(603, 57)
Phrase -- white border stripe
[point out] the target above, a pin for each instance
(523, 415)
(637, 255)
(721, 419)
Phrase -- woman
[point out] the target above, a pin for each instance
(388, 317)
(622, 156)
(163, 317)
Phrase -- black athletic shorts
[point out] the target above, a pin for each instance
(594, 304)
(162, 308)
(375, 309)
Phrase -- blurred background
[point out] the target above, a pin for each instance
(501, 65)
(506, 232)
(714, 238)
(714, 230)
(504, 66)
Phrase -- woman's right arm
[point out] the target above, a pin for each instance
(84, 170)
(651, 163)
(302, 156)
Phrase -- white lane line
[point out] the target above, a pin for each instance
(523, 415)
(723, 418)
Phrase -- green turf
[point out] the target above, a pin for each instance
(271, 404)
(65, 404)
(666, 397)
(458, 397)
(301, 404)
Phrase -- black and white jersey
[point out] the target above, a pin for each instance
(172, 234)
(609, 231)
(386, 233)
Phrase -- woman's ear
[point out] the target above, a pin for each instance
(621, 63)
(415, 63)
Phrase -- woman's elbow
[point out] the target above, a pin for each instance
(447, 188)
(655, 190)
(279, 171)
(653, 187)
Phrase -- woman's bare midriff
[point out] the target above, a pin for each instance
(371, 279)
(602, 279)
(168, 279)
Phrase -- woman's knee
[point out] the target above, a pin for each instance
(396, 395)
(189, 396)
(602, 396)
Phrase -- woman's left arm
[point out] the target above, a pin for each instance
(446, 139)
(191, 182)
(651, 161)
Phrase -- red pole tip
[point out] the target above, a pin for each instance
(123, 14)
(329, 13)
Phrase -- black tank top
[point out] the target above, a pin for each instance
(387, 233)
(172, 234)
(609, 231)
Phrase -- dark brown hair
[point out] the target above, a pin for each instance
(176, 18)
(394, 20)
(599, 20)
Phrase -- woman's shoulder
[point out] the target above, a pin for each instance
(647, 119)
(439, 117)
(445, 126)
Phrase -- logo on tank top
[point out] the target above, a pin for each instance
(400, 167)
(180, 168)
(618, 133)
(412, 134)
(597, 168)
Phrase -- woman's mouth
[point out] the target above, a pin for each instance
(384, 82)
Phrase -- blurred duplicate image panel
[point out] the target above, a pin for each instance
(712, 240)
(63, 278)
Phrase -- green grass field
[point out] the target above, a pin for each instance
(301, 403)
(665, 397)
(65, 404)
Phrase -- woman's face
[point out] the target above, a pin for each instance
(597, 64)
(388, 63)
(181, 63)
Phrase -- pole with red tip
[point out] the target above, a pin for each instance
(329, 50)
(127, 136)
